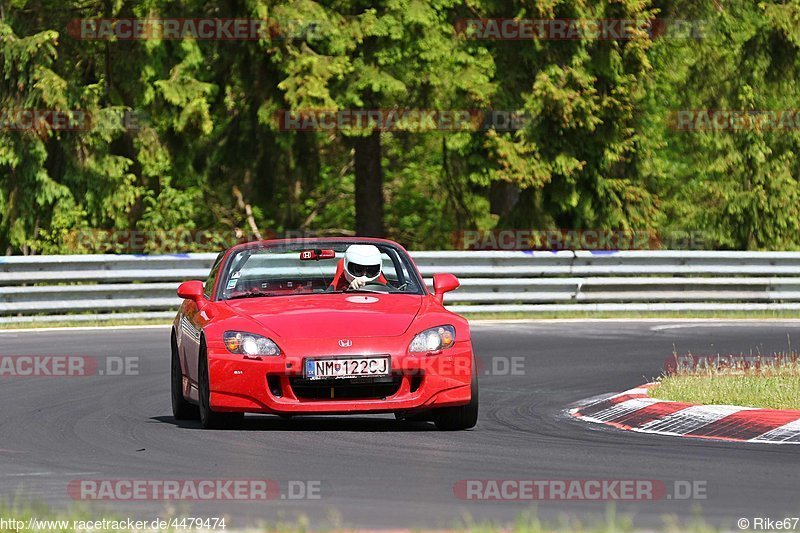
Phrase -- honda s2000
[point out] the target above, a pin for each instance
(322, 326)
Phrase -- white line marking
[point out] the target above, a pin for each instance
(85, 328)
(51, 474)
(787, 432)
(667, 323)
(690, 419)
(621, 409)
(727, 323)
(638, 390)
(680, 423)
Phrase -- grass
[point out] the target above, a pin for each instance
(771, 382)
(12, 512)
(18, 516)
(85, 323)
(526, 522)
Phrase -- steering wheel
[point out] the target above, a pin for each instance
(378, 287)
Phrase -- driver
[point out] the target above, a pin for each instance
(361, 265)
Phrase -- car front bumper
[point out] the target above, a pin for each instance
(276, 384)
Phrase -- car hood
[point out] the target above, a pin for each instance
(318, 316)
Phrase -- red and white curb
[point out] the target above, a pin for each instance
(634, 410)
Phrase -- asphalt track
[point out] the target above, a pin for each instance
(378, 473)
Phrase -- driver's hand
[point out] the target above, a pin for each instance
(358, 283)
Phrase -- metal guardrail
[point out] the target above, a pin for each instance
(90, 287)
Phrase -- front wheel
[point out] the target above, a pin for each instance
(181, 409)
(462, 417)
(208, 418)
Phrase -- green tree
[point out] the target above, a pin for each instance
(392, 54)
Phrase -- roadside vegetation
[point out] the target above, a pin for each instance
(86, 323)
(765, 381)
(184, 137)
(46, 520)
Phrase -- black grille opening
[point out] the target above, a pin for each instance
(345, 389)
(274, 383)
(416, 381)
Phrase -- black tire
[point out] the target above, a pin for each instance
(463, 417)
(208, 418)
(426, 416)
(181, 409)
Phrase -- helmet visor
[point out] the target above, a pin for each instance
(358, 271)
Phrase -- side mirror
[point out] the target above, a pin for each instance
(443, 283)
(193, 290)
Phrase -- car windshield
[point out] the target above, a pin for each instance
(314, 268)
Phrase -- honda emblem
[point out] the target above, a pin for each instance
(345, 343)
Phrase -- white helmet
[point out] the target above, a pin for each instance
(362, 261)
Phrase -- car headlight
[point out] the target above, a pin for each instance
(249, 344)
(433, 339)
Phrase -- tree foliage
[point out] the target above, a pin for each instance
(183, 135)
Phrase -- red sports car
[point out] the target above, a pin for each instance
(321, 326)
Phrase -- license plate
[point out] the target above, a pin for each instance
(347, 368)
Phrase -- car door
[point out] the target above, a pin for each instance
(192, 324)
